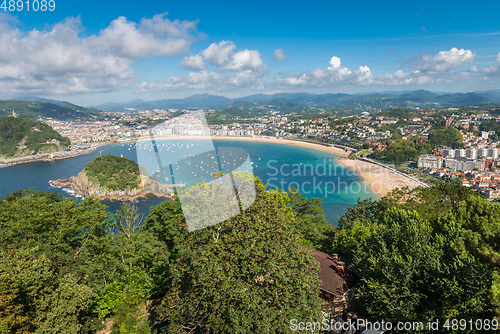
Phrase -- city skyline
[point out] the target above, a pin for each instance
(91, 53)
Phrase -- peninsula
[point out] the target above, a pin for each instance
(114, 178)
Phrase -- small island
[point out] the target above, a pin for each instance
(114, 178)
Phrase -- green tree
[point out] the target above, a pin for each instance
(309, 221)
(404, 261)
(247, 274)
(49, 300)
(448, 136)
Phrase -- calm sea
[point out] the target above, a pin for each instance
(313, 172)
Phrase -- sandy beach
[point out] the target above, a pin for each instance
(381, 180)
(333, 150)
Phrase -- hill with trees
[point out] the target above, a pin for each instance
(298, 101)
(37, 109)
(113, 173)
(24, 136)
(426, 253)
(76, 266)
(401, 150)
(420, 254)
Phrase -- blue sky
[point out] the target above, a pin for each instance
(90, 52)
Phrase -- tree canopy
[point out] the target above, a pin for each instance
(447, 136)
(114, 173)
(423, 254)
(244, 275)
(16, 133)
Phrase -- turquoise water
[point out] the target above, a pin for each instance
(313, 172)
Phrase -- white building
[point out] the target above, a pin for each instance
(429, 161)
(471, 153)
(449, 153)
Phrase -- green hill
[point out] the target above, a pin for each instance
(113, 173)
(35, 110)
(24, 136)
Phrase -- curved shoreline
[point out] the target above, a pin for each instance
(317, 146)
(380, 179)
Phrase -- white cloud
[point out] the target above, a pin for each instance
(334, 75)
(403, 78)
(335, 62)
(279, 55)
(232, 70)
(443, 61)
(206, 80)
(194, 62)
(59, 60)
(493, 70)
(152, 37)
(245, 60)
(219, 54)
(363, 76)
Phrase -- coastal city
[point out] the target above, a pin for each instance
(174, 167)
(472, 165)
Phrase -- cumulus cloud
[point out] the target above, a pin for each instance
(493, 70)
(219, 54)
(403, 78)
(203, 80)
(245, 60)
(443, 61)
(152, 37)
(232, 70)
(279, 55)
(337, 75)
(333, 75)
(335, 62)
(194, 62)
(59, 60)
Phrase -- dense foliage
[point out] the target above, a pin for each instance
(427, 253)
(244, 275)
(448, 136)
(491, 125)
(399, 150)
(114, 173)
(68, 266)
(26, 132)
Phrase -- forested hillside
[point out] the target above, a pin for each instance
(76, 267)
(418, 254)
(35, 110)
(426, 253)
(24, 136)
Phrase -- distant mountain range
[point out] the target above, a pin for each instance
(35, 107)
(384, 100)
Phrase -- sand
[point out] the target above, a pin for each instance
(333, 150)
(381, 180)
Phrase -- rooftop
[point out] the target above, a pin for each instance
(330, 281)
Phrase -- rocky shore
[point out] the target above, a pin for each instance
(82, 186)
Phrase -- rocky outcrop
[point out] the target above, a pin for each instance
(84, 187)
